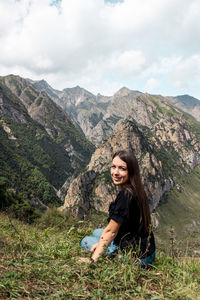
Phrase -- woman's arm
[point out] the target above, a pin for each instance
(106, 238)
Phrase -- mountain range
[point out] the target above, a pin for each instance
(99, 115)
(56, 146)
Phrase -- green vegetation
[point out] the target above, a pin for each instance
(181, 211)
(69, 133)
(163, 109)
(35, 163)
(41, 262)
(30, 164)
(169, 158)
(194, 126)
(15, 205)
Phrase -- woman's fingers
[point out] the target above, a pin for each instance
(83, 259)
(93, 247)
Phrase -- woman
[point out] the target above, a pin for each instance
(129, 222)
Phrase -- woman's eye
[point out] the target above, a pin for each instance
(120, 168)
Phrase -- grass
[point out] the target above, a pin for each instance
(181, 211)
(41, 262)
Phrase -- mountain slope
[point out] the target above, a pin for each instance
(178, 215)
(166, 143)
(83, 107)
(188, 104)
(41, 148)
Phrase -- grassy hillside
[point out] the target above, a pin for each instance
(41, 262)
(180, 211)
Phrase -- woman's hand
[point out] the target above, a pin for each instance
(107, 236)
(94, 247)
(84, 259)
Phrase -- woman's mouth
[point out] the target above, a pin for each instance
(116, 178)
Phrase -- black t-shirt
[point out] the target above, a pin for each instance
(125, 210)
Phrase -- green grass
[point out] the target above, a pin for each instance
(181, 211)
(41, 262)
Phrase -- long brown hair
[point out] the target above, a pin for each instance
(135, 181)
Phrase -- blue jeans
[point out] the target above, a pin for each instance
(88, 241)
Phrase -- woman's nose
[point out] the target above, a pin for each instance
(116, 171)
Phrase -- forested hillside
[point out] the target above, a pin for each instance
(40, 147)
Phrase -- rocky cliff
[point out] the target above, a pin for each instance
(165, 141)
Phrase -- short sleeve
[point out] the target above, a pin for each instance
(118, 210)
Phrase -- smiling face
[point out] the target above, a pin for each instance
(119, 171)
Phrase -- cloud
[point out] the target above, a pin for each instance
(152, 84)
(127, 63)
(102, 45)
(180, 71)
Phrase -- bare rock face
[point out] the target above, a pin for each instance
(164, 143)
(78, 194)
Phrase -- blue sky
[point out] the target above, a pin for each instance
(147, 45)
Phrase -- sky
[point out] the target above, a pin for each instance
(103, 45)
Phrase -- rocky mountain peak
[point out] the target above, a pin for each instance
(77, 91)
(124, 91)
(41, 83)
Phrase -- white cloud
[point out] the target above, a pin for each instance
(151, 85)
(180, 71)
(102, 46)
(126, 64)
(185, 71)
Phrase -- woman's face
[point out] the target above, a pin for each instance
(119, 171)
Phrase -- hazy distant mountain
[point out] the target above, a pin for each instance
(96, 115)
(188, 104)
(99, 115)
